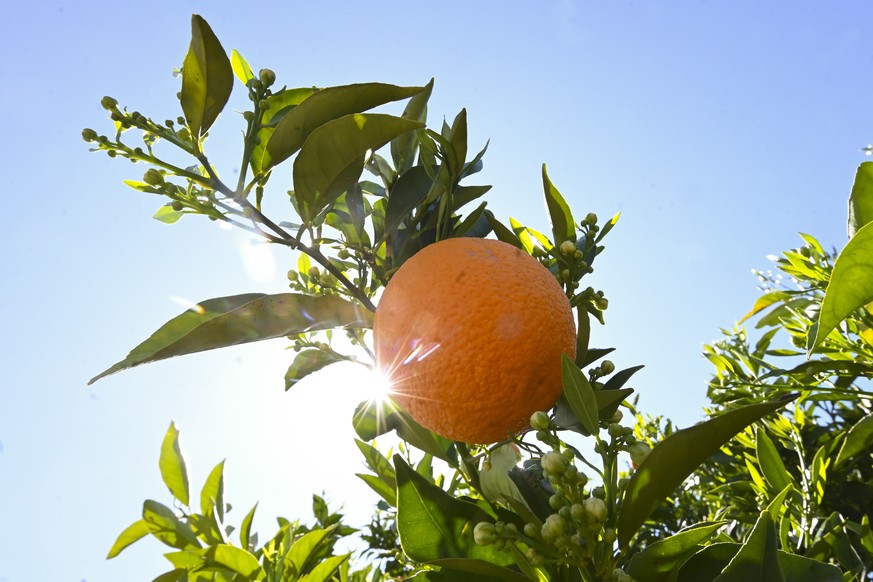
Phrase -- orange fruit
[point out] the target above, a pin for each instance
(470, 333)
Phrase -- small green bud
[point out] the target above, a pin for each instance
(591, 218)
(577, 254)
(582, 479)
(343, 254)
(89, 134)
(554, 463)
(499, 527)
(607, 367)
(542, 435)
(599, 493)
(312, 272)
(267, 77)
(564, 511)
(264, 104)
(169, 123)
(248, 115)
(539, 420)
(531, 530)
(601, 303)
(293, 276)
(108, 103)
(567, 247)
(595, 510)
(577, 511)
(153, 177)
(609, 535)
(111, 153)
(184, 134)
(554, 526)
(556, 502)
(177, 206)
(615, 430)
(484, 534)
(619, 575)
(570, 473)
(180, 120)
(568, 454)
(630, 439)
(486, 465)
(565, 275)
(616, 416)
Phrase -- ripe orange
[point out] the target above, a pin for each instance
(470, 333)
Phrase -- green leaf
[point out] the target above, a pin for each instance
(403, 146)
(239, 319)
(466, 194)
(861, 199)
(771, 463)
(583, 335)
(174, 471)
(207, 78)
(619, 379)
(304, 550)
(801, 569)
(676, 457)
(482, 569)
(608, 402)
(212, 494)
(281, 103)
(407, 192)
(563, 225)
(502, 232)
(658, 560)
(850, 286)
(434, 525)
(332, 157)
(177, 575)
(858, 439)
(380, 487)
(308, 361)
(758, 558)
(580, 395)
(165, 526)
(327, 105)
(241, 67)
(238, 560)
(708, 562)
(132, 533)
(245, 530)
(325, 569)
(167, 215)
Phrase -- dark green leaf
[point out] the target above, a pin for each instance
(563, 226)
(327, 105)
(619, 379)
(308, 361)
(757, 559)
(771, 463)
(212, 494)
(658, 560)
(165, 526)
(449, 576)
(332, 157)
(207, 78)
(595, 354)
(403, 146)
(859, 439)
(850, 286)
(502, 231)
(676, 457)
(406, 194)
(608, 402)
(434, 525)
(580, 395)
(281, 103)
(380, 487)
(239, 319)
(583, 335)
(800, 569)
(132, 533)
(482, 569)
(466, 194)
(467, 227)
(174, 471)
(861, 199)
(708, 562)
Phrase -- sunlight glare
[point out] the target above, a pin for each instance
(258, 260)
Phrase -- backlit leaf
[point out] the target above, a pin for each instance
(563, 226)
(484, 570)
(241, 67)
(239, 319)
(771, 463)
(403, 147)
(239, 560)
(174, 471)
(326, 105)
(676, 457)
(861, 199)
(306, 362)
(212, 494)
(850, 286)
(332, 157)
(132, 533)
(165, 526)
(859, 439)
(207, 78)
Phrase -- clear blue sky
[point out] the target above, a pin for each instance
(719, 130)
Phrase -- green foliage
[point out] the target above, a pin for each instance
(777, 481)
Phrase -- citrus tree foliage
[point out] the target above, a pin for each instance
(368, 190)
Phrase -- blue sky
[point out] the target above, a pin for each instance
(718, 130)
